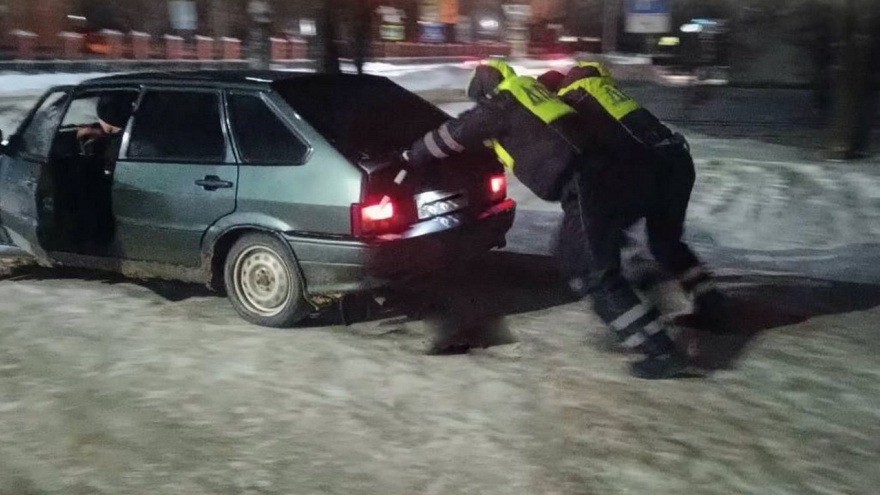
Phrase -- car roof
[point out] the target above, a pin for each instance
(214, 78)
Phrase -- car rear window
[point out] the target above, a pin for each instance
(263, 138)
(360, 114)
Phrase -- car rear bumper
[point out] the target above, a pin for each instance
(337, 266)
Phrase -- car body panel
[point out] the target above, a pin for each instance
(335, 266)
(19, 215)
(23, 179)
(314, 197)
(162, 215)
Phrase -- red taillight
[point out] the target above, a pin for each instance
(497, 187)
(379, 218)
(375, 213)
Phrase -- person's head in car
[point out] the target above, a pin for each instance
(487, 77)
(113, 110)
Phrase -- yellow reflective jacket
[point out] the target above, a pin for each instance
(537, 136)
(536, 99)
(613, 115)
(601, 87)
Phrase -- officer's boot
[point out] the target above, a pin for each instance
(580, 287)
(663, 360)
(711, 308)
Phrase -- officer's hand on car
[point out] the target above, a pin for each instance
(415, 172)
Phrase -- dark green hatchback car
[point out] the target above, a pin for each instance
(271, 185)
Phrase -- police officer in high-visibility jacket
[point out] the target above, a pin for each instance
(541, 140)
(621, 122)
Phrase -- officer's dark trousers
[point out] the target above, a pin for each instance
(665, 217)
(597, 210)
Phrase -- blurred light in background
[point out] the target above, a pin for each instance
(489, 24)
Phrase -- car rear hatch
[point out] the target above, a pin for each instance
(370, 120)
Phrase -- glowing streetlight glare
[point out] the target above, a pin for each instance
(488, 24)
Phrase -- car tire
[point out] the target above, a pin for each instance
(264, 283)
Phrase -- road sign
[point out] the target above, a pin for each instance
(647, 7)
(647, 16)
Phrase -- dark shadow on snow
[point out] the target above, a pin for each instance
(759, 303)
(771, 289)
(173, 291)
(463, 307)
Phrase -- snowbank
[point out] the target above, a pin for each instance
(773, 204)
(12, 84)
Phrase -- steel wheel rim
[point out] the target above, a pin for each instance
(262, 281)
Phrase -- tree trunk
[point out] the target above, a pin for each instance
(611, 16)
(363, 15)
(328, 55)
(850, 124)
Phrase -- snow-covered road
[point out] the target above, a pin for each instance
(112, 386)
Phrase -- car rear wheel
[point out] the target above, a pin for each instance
(263, 282)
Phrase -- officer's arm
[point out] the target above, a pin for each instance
(585, 104)
(468, 131)
(597, 125)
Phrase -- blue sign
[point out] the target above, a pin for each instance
(433, 33)
(647, 6)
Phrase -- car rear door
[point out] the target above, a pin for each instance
(25, 189)
(176, 176)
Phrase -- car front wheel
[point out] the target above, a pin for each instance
(263, 282)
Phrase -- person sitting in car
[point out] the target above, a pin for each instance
(86, 208)
(105, 135)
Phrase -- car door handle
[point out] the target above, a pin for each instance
(212, 183)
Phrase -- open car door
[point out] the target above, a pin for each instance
(25, 193)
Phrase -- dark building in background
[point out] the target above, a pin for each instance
(215, 18)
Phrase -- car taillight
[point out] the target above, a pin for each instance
(497, 187)
(373, 219)
(379, 212)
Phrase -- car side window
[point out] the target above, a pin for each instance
(83, 109)
(262, 136)
(178, 126)
(82, 112)
(36, 138)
